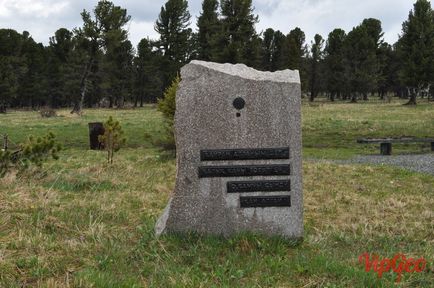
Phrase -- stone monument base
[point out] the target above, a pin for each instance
(238, 139)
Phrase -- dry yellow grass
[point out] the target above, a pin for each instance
(83, 223)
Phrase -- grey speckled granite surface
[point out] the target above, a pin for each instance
(206, 119)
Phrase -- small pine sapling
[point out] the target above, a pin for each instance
(112, 138)
(33, 151)
(37, 150)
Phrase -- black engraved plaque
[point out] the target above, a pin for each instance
(258, 186)
(243, 170)
(265, 201)
(244, 154)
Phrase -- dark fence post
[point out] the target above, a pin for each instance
(386, 148)
(95, 129)
(5, 142)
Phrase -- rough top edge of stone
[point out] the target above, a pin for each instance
(243, 71)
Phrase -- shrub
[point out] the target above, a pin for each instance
(167, 106)
(47, 112)
(34, 151)
(112, 138)
(39, 149)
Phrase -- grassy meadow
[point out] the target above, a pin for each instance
(80, 222)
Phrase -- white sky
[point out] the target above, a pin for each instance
(43, 17)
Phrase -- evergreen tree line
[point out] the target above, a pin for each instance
(96, 64)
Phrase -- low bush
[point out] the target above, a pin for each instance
(167, 106)
(35, 151)
(47, 112)
(113, 138)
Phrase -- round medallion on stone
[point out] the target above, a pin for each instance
(239, 103)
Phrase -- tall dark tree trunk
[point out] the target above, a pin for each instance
(78, 106)
(53, 102)
(31, 102)
(121, 102)
(312, 85)
(141, 99)
(332, 96)
(353, 97)
(110, 101)
(404, 93)
(365, 96)
(2, 108)
(412, 100)
(136, 100)
(312, 96)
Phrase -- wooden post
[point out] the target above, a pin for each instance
(5, 142)
(386, 148)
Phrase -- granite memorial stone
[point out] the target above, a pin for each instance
(238, 139)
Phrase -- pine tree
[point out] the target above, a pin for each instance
(113, 138)
(361, 49)
(33, 85)
(294, 54)
(387, 70)
(279, 44)
(12, 66)
(316, 57)
(416, 49)
(36, 150)
(208, 26)
(117, 69)
(296, 48)
(172, 25)
(272, 49)
(390, 68)
(73, 70)
(59, 54)
(105, 30)
(253, 53)
(148, 79)
(238, 32)
(334, 63)
(375, 32)
(268, 48)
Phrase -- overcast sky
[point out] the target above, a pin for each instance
(43, 17)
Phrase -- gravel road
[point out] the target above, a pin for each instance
(423, 163)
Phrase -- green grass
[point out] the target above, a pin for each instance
(79, 222)
(330, 130)
(72, 130)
